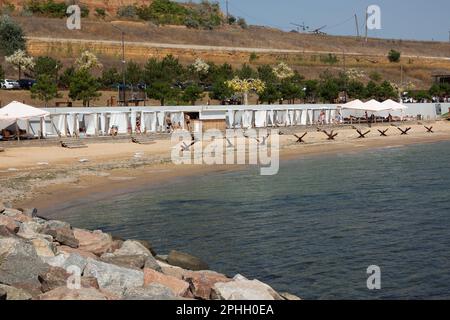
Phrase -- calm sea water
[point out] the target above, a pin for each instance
(311, 230)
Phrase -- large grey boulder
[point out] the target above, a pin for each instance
(15, 293)
(66, 261)
(3, 294)
(6, 233)
(114, 278)
(64, 293)
(19, 262)
(64, 236)
(29, 212)
(243, 289)
(130, 254)
(152, 292)
(133, 261)
(186, 261)
(132, 247)
(55, 224)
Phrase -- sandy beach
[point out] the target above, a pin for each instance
(43, 175)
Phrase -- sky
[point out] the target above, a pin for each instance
(400, 19)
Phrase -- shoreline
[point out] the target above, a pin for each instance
(49, 188)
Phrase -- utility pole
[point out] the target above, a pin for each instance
(357, 25)
(123, 65)
(228, 14)
(367, 27)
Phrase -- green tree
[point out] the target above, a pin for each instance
(192, 94)
(133, 73)
(84, 87)
(66, 77)
(375, 76)
(47, 66)
(220, 91)
(110, 77)
(2, 73)
(162, 91)
(266, 74)
(329, 88)
(223, 72)
(386, 91)
(394, 56)
(372, 90)
(440, 90)
(11, 36)
(291, 91)
(270, 94)
(246, 72)
(167, 70)
(356, 90)
(311, 90)
(45, 89)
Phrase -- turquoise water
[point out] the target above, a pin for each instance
(311, 230)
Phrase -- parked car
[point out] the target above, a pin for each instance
(10, 84)
(26, 84)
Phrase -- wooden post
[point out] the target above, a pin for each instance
(96, 124)
(65, 125)
(17, 130)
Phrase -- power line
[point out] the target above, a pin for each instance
(340, 23)
(254, 18)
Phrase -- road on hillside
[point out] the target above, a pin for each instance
(215, 48)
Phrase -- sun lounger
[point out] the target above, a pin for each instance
(73, 144)
(143, 140)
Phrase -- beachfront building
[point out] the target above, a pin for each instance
(98, 121)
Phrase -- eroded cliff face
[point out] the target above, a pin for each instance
(110, 6)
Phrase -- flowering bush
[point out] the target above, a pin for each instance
(21, 61)
(87, 61)
(244, 86)
(283, 71)
(200, 66)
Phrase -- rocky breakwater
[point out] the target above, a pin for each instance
(44, 259)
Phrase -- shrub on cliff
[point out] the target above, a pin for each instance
(127, 12)
(11, 36)
(394, 56)
(48, 8)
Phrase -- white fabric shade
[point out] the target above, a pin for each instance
(260, 119)
(355, 104)
(394, 105)
(16, 111)
(372, 105)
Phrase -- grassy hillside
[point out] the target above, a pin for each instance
(309, 54)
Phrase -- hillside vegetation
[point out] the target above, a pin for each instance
(155, 29)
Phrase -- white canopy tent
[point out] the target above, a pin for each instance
(395, 106)
(372, 106)
(17, 111)
(355, 104)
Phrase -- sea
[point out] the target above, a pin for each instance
(317, 229)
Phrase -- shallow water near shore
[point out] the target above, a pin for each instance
(312, 230)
